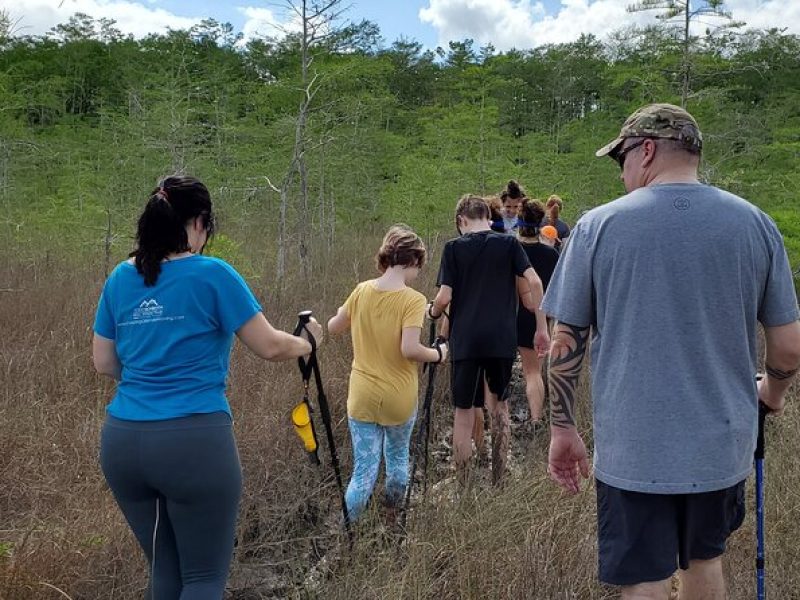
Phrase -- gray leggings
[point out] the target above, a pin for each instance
(178, 483)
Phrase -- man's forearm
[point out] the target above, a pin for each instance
(567, 354)
(782, 360)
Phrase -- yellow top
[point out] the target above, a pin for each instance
(383, 383)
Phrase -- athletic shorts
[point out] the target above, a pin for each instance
(467, 379)
(646, 537)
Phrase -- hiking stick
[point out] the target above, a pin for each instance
(423, 431)
(307, 367)
(759, 462)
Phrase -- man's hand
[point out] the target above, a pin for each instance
(429, 310)
(774, 402)
(567, 459)
(541, 343)
(315, 329)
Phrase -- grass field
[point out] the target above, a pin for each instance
(62, 536)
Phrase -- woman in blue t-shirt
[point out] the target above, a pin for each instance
(163, 330)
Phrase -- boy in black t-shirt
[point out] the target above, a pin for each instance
(482, 274)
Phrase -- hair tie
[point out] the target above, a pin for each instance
(522, 223)
(162, 193)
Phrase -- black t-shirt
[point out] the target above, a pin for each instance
(481, 268)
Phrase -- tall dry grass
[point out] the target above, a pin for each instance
(62, 536)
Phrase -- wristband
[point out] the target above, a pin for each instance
(439, 350)
(430, 312)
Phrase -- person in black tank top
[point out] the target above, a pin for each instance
(543, 259)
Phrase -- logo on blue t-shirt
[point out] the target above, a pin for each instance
(148, 309)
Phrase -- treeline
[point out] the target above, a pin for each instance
(90, 118)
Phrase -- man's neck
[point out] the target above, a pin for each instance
(475, 227)
(675, 175)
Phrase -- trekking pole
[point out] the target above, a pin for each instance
(759, 463)
(423, 431)
(307, 367)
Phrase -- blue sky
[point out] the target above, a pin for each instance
(395, 17)
(504, 23)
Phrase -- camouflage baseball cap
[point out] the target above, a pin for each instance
(657, 121)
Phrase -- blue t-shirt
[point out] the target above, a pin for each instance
(673, 279)
(173, 339)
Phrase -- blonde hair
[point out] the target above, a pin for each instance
(472, 207)
(400, 246)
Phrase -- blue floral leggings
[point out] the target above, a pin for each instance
(371, 442)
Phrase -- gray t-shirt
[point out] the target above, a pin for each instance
(673, 279)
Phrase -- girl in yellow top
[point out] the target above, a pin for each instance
(385, 318)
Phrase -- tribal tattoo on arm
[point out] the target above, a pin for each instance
(780, 374)
(567, 353)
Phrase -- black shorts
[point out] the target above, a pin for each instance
(646, 537)
(466, 379)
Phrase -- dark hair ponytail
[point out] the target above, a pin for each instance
(161, 230)
(513, 191)
(531, 214)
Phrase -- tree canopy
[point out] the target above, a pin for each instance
(92, 117)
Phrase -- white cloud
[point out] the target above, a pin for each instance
(767, 14)
(36, 17)
(263, 22)
(523, 24)
(260, 22)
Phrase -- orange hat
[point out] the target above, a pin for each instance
(549, 231)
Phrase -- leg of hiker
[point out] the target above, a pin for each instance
(478, 436)
(466, 379)
(703, 580)
(201, 479)
(367, 441)
(644, 537)
(193, 476)
(489, 400)
(141, 504)
(490, 404)
(638, 541)
(396, 444)
(463, 423)
(501, 437)
(145, 512)
(652, 590)
(534, 384)
(708, 520)
(498, 377)
(482, 396)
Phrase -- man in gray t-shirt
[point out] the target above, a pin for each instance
(671, 280)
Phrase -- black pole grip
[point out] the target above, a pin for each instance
(763, 411)
(303, 317)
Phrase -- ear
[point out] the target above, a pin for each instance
(649, 152)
